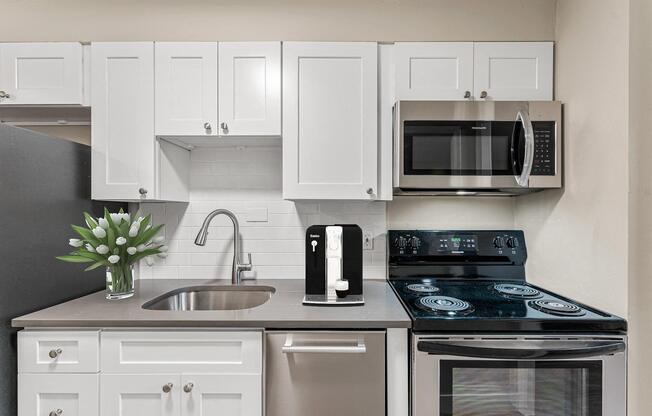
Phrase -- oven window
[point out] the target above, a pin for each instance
(457, 148)
(521, 388)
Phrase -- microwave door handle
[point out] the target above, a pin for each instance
(541, 353)
(523, 178)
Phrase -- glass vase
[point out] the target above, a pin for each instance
(119, 281)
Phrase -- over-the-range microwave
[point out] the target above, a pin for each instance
(477, 148)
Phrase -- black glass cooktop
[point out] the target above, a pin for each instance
(450, 304)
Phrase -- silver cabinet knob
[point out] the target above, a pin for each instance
(224, 126)
(3, 95)
(142, 191)
(207, 126)
(188, 387)
(55, 352)
(467, 94)
(483, 94)
(167, 387)
(370, 191)
(56, 412)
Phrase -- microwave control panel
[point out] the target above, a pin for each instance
(543, 163)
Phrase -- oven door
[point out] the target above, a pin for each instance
(510, 376)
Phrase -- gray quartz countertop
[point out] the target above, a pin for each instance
(382, 309)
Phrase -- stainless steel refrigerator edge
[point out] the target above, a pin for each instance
(44, 187)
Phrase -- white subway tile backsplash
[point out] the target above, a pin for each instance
(242, 179)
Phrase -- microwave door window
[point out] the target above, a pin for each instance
(454, 148)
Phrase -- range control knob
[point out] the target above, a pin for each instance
(512, 242)
(499, 242)
(415, 243)
(400, 242)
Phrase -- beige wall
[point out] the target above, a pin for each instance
(640, 207)
(577, 236)
(451, 213)
(378, 20)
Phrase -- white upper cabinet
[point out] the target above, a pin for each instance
(41, 73)
(508, 71)
(330, 114)
(122, 133)
(434, 70)
(514, 71)
(186, 88)
(250, 88)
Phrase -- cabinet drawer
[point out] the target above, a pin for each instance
(191, 351)
(58, 394)
(58, 351)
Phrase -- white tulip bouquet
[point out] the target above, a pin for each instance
(116, 241)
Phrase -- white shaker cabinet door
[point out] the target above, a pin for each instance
(122, 132)
(41, 73)
(330, 114)
(224, 395)
(514, 71)
(434, 70)
(140, 395)
(58, 395)
(250, 88)
(186, 88)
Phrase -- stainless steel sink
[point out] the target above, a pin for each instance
(211, 298)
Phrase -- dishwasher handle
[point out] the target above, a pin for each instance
(290, 348)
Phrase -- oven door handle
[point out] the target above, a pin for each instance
(593, 350)
(522, 177)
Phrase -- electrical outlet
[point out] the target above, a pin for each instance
(368, 240)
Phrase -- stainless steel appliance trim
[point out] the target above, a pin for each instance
(473, 111)
(523, 178)
(425, 369)
(290, 348)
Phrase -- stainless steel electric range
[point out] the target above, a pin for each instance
(486, 342)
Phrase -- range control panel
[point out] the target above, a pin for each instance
(475, 244)
(543, 163)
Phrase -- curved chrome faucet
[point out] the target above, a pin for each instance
(200, 240)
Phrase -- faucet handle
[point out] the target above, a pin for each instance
(246, 266)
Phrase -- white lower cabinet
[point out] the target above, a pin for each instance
(58, 395)
(141, 373)
(221, 394)
(140, 395)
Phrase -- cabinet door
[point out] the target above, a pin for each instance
(186, 88)
(514, 70)
(57, 394)
(250, 88)
(434, 70)
(330, 113)
(41, 73)
(224, 395)
(122, 132)
(140, 395)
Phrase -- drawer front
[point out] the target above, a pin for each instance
(58, 351)
(181, 351)
(58, 395)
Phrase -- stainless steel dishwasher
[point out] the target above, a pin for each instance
(324, 373)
